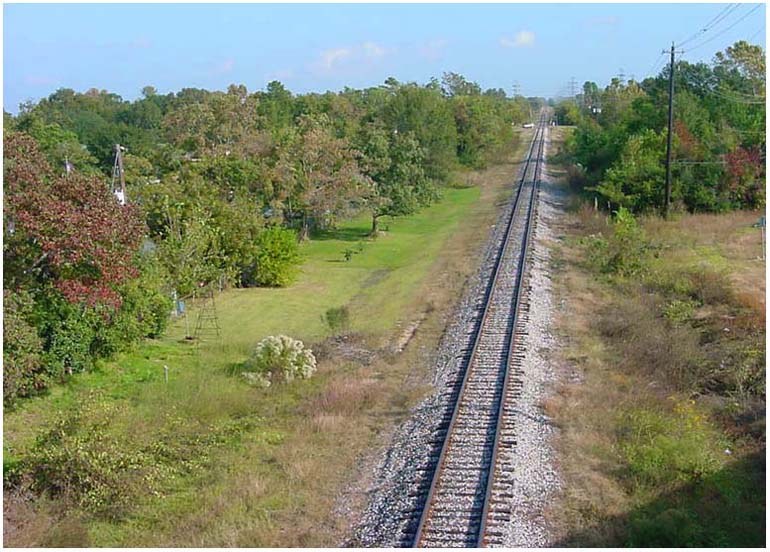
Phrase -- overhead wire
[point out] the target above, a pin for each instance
(737, 99)
(752, 37)
(723, 31)
(727, 10)
(710, 84)
(653, 70)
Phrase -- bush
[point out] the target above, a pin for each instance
(576, 178)
(337, 319)
(80, 460)
(23, 371)
(625, 252)
(680, 311)
(276, 260)
(144, 312)
(664, 450)
(70, 332)
(652, 347)
(279, 358)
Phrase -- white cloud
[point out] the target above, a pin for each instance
(224, 67)
(372, 50)
(281, 74)
(521, 39)
(433, 49)
(355, 58)
(38, 80)
(329, 58)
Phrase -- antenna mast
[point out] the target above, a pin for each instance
(119, 187)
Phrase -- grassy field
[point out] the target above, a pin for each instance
(206, 460)
(662, 421)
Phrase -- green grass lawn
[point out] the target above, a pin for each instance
(376, 283)
(226, 430)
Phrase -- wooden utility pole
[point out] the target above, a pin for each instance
(669, 140)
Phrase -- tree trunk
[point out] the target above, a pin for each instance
(375, 226)
(304, 233)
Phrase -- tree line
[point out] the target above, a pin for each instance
(619, 145)
(221, 187)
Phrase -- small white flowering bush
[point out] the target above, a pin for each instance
(279, 358)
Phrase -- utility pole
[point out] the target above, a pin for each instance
(669, 139)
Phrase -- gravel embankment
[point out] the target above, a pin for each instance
(536, 479)
(394, 499)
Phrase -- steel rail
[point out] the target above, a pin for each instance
(537, 143)
(511, 350)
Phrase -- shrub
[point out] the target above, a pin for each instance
(680, 311)
(663, 449)
(146, 302)
(576, 178)
(23, 371)
(711, 287)
(625, 252)
(69, 331)
(651, 347)
(276, 258)
(279, 358)
(80, 460)
(337, 319)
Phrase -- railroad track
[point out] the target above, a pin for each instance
(468, 503)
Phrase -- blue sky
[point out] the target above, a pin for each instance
(123, 47)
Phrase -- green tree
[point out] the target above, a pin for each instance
(322, 175)
(394, 163)
(635, 181)
(454, 84)
(425, 113)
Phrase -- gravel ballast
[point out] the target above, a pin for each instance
(395, 500)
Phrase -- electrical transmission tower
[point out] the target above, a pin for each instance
(118, 186)
(573, 87)
(516, 89)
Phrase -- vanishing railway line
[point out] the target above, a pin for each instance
(468, 502)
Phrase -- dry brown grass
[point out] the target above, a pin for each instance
(344, 396)
(729, 234)
(618, 353)
(590, 493)
(32, 522)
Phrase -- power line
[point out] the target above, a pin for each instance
(710, 84)
(655, 66)
(737, 99)
(714, 21)
(752, 37)
(686, 162)
(725, 30)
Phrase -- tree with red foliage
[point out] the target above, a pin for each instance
(746, 176)
(689, 147)
(65, 229)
